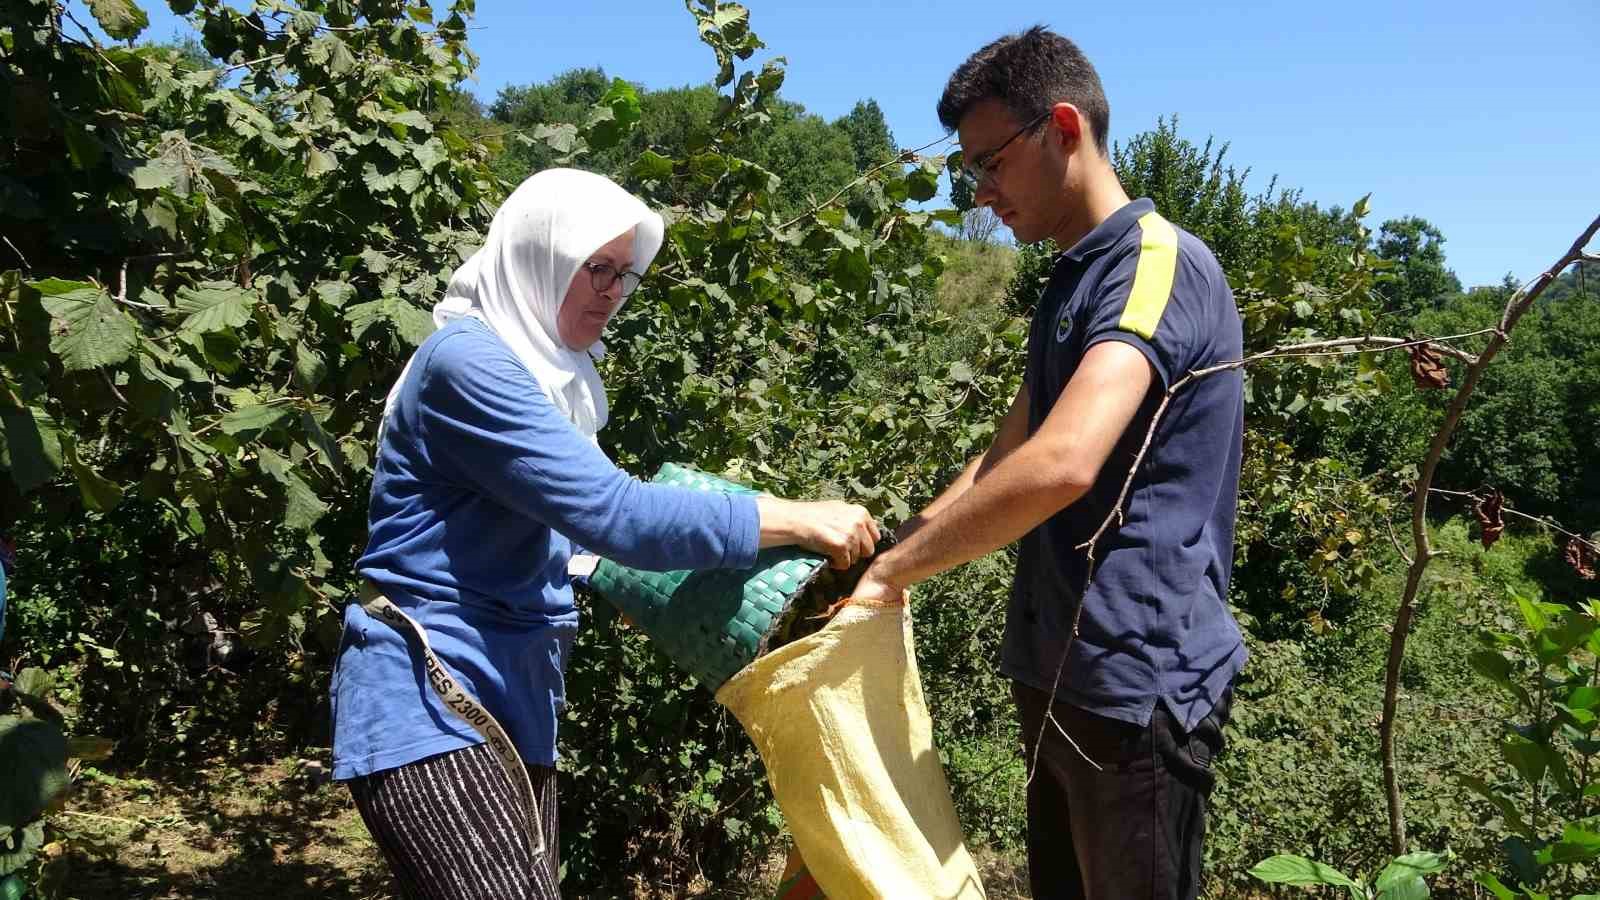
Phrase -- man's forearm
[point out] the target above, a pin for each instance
(1017, 494)
(1047, 472)
(943, 502)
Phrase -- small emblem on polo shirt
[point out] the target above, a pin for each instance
(1063, 326)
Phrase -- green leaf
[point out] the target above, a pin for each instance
(922, 183)
(652, 166)
(83, 148)
(35, 682)
(1286, 868)
(408, 180)
(410, 323)
(155, 174)
(851, 270)
(614, 115)
(213, 306)
(150, 369)
(1491, 665)
(309, 366)
(330, 50)
(430, 153)
(412, 118)
(305, 508)
(322, 441)
(560, 138)
(120, 18)
(1578, 844)
(1585, 697)
(1508, 809)
(16, 851)
(377, 181)
(99, 493)
(1403, 878)
(248, 421)
(35, 752)
(1531, 613)
(1500, 891)
(1527, 757)
(1409, 887)
(88, 330)
(33, 443)
(320, 162)
(335, 293)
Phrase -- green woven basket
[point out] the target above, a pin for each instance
(711, 623)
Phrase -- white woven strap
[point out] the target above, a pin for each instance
(457, 700)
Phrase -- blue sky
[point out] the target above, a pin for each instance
(1480, 117)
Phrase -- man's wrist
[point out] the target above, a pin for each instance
(883, 572)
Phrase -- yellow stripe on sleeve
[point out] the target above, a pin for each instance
(1152, 280)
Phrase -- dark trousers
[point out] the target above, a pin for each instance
(454, 827)
(1133, 830)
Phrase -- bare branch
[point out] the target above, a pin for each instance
(1050, 718)
(17, 252)
(113, 385)
(1516, 305)
(247, 65)
(1395, 539)
(1334, 347)
(1538, 520)
(901, 159)
(122, 292)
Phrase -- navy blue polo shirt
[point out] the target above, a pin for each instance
(1155, 623)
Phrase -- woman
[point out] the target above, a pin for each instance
(487, 474)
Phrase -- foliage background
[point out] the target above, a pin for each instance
(217, 256)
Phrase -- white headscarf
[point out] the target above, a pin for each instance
(515, 282)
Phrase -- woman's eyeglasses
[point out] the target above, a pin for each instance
(603, 275)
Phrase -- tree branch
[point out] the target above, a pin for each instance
(122, 292)
(900, 159)
(17, 252)
(1333, 347)
(1516, 305)
(246, 65)
(1538, 520)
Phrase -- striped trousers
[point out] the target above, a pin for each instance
(453, 827)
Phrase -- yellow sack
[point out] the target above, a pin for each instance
(841, 723)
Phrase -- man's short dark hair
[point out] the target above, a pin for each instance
(1029, 73)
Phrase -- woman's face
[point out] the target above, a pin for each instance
(585, 311)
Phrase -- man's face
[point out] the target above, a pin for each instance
(1023, 181)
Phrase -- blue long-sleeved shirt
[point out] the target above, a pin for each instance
(480, 489)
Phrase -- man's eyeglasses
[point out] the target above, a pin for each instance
(603, 275)
(981, 168)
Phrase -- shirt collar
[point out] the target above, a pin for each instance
(1107, 233)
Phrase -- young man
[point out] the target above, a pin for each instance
(1133, 304)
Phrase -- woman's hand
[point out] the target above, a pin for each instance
(843, 532)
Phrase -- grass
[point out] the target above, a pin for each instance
(975, 274)
(246, 832)
(274, 832)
